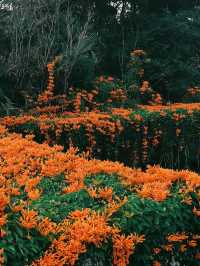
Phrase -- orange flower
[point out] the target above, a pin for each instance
(138, 117)
(17, 208)
(29, 219)
(34, 194)
(92, 192)
(3, 219)
(15, 192)
(123, 247)
(105, 193)
(3, 130)
(114, 206)
(190, 107)
(79, 214)
(177, 237)
(46, 226)
(90, 228)
(4, 200)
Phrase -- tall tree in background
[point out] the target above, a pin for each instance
(36, 32)
(33, 32)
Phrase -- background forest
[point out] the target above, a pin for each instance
(95, 37)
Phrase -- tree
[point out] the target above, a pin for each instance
(38, 31)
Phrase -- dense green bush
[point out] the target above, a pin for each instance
(156, 220)
(172, 43)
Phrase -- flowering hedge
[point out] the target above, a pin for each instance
(165, 135)
(59, 208)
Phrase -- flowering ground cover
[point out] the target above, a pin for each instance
(60, 208)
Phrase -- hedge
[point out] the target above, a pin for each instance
(63, 209)
(166, 136)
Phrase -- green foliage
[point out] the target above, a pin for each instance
(21, 246)
(56, 205)
(172, 42)
(156, 220)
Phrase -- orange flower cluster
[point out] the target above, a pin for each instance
(49, 92)
(37, 161)
(182, 241)
(114, 206)
(118, 95)
(2, 130)
(192, 92)
(156, 137)
(29, 219)
(86, 228)
(104, 79)
(77, 231)
(177, 237)
(87, 101)
(111, 125)
(145, 89)
(46, 226)
(47, 109)
(103, 193)
(123, 247)
(86, 98)
(121, 112)
(189, 107)
(92, 121)
(155, 182)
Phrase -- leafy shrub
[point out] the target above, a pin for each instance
(192, 95)
(63, 208)
(162, 135)
(173, 68)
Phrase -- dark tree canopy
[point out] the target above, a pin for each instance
(33, 32)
